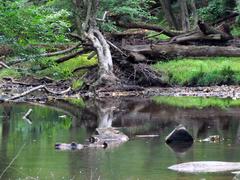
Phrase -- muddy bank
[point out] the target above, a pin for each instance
(46, 91)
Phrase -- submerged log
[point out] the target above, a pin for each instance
(205, 166)
(174, 50)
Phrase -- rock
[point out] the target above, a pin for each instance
(179, 134)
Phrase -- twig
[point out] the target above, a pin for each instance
(147, 136)
(25, 93)
(103, 18)
(26, 116)
(4, 65)
(115, 47)
(19, 152)
(60, 52)
(57, 93)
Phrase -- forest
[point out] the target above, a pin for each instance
(84, 46)
(119, 89)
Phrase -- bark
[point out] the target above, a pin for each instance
(166, 7)
(173, 50)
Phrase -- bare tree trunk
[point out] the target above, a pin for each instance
(184, 15)
(166, 7)
(91, 32)
(105, 72)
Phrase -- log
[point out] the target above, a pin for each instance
(174, 50)
(149, 27)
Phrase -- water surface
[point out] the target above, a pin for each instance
(140, 158)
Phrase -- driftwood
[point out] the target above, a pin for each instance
(35, 89)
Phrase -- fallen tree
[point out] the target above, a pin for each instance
(175, 50)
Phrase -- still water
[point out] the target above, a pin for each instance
(27, 147)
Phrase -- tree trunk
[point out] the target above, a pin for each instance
(173, 50)
(166, 7)
(90, 31)
(184, 15)
(194, 13)
(105, 72)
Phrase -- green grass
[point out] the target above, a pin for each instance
(195, 102)
(201, 71)
(9, 73)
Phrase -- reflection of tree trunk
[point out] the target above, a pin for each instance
(6, 121)
(105, 113)
(166, 7)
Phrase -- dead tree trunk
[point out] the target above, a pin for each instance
(90, 31)
(105, 72)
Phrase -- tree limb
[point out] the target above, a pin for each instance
(60, 52)
(149, 27)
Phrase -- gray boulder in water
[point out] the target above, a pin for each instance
(205, 167)
(179, 134)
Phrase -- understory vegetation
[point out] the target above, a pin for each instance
(30, 29)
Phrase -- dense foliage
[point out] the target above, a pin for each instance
(24, 23)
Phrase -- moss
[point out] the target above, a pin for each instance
(157, 36)
(65, 70)
(201, 71)
(78, 102)
(76, 84)
(195, 102)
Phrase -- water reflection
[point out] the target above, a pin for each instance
(139, 158)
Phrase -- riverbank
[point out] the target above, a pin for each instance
(45, 89)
